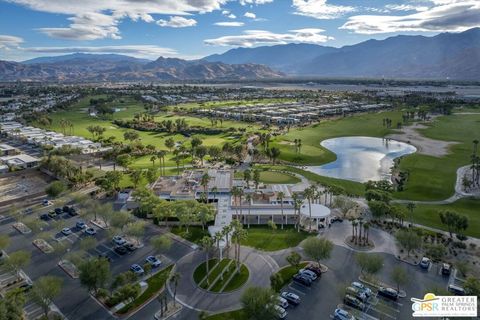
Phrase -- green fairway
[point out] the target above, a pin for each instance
(273, 177)
(264, 238)
(312, 153)
(351, 187)
(433, 178)
(428, 215)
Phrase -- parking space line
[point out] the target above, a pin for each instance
(383, 313)
(296, 290)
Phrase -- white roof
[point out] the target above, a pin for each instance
(318, 210)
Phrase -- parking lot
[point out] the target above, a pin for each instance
(327, 292)
(79, 305)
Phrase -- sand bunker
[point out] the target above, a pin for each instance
(427, 146)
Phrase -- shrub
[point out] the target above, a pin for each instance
(55, 188)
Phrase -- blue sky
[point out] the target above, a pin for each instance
(195, 28)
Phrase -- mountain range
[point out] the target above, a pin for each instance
(112, 67)
(446, 55)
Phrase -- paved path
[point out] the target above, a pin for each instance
(189, 295)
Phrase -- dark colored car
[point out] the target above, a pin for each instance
(130, 246)
(301, 279)
(72, 212)
(66, 209)
(336, 219)
(58, 211)
(389, 293)
(353, 302)
(25, 287)
(105, 256)
(446, 269)
(315, 270)
(45, 217)
(121, 250)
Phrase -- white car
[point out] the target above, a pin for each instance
(341, 314)
(282, 302)
(153, 261)
(119, 241)
(281, 313)
(90, 231)
(308, 273)
(66, 231)
(291, 297)
(368, 292)
(425, 263)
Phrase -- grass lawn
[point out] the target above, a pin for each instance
(433, 178)
(264, 238)
(288, 272)
(351, 187)
(155, 284)
(201, 270)
(195, 234)
(215, 272)
(238, 279)
(273, 177)
(428, 214)
(231, 315)
(312, 153)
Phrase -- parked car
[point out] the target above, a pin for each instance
(315, 270)
(456, 290)
(66, 209)
(351, 301)
(363, 288)
(153, 261)
(105, 256)
(341, 314)
(81, 225)
(308, 273)
(389, 293)
(360, 295)
(281, 313)
(425, 263)
(446, 269)
(52, 214)
(292, 298)
(58, 211)
(90, 232)
(45, 217)
(47, 203)
(282, 302)
(72, 212)
(130, 246)
(336, 219)
(119, 241)
(135, 268)
(300, 278)
(121, 250)
(66, 231)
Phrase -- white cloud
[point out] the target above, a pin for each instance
(232, 16)
(177, 22)
(405, 7)
(252, 38)
(84, 27)
(8, 42)
(256, 2)
(140, 51)
(320, 9)
(229, 24)
(250, 15)
(87, 26)
(446, 15)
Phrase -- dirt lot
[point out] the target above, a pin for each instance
(20, 184)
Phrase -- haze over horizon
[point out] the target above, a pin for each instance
(194, 29)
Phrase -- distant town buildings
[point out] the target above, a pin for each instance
(41, 137)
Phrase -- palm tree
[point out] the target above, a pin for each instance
(280, 197)
(354, 227)
(411, 207)
(204, 183)
(309, 193)
(238, 235)
(217, 238)
(226, 233)
(360, 224)
(240, 196)
(153, 159)
(248, 198)
(175, 278)
(366, 227)
(161, 156)
(235, 191)
(214, 191)
(207, 245)
(297, 203)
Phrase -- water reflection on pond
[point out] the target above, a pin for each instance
(362, 158)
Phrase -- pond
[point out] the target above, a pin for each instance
(362, 158)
